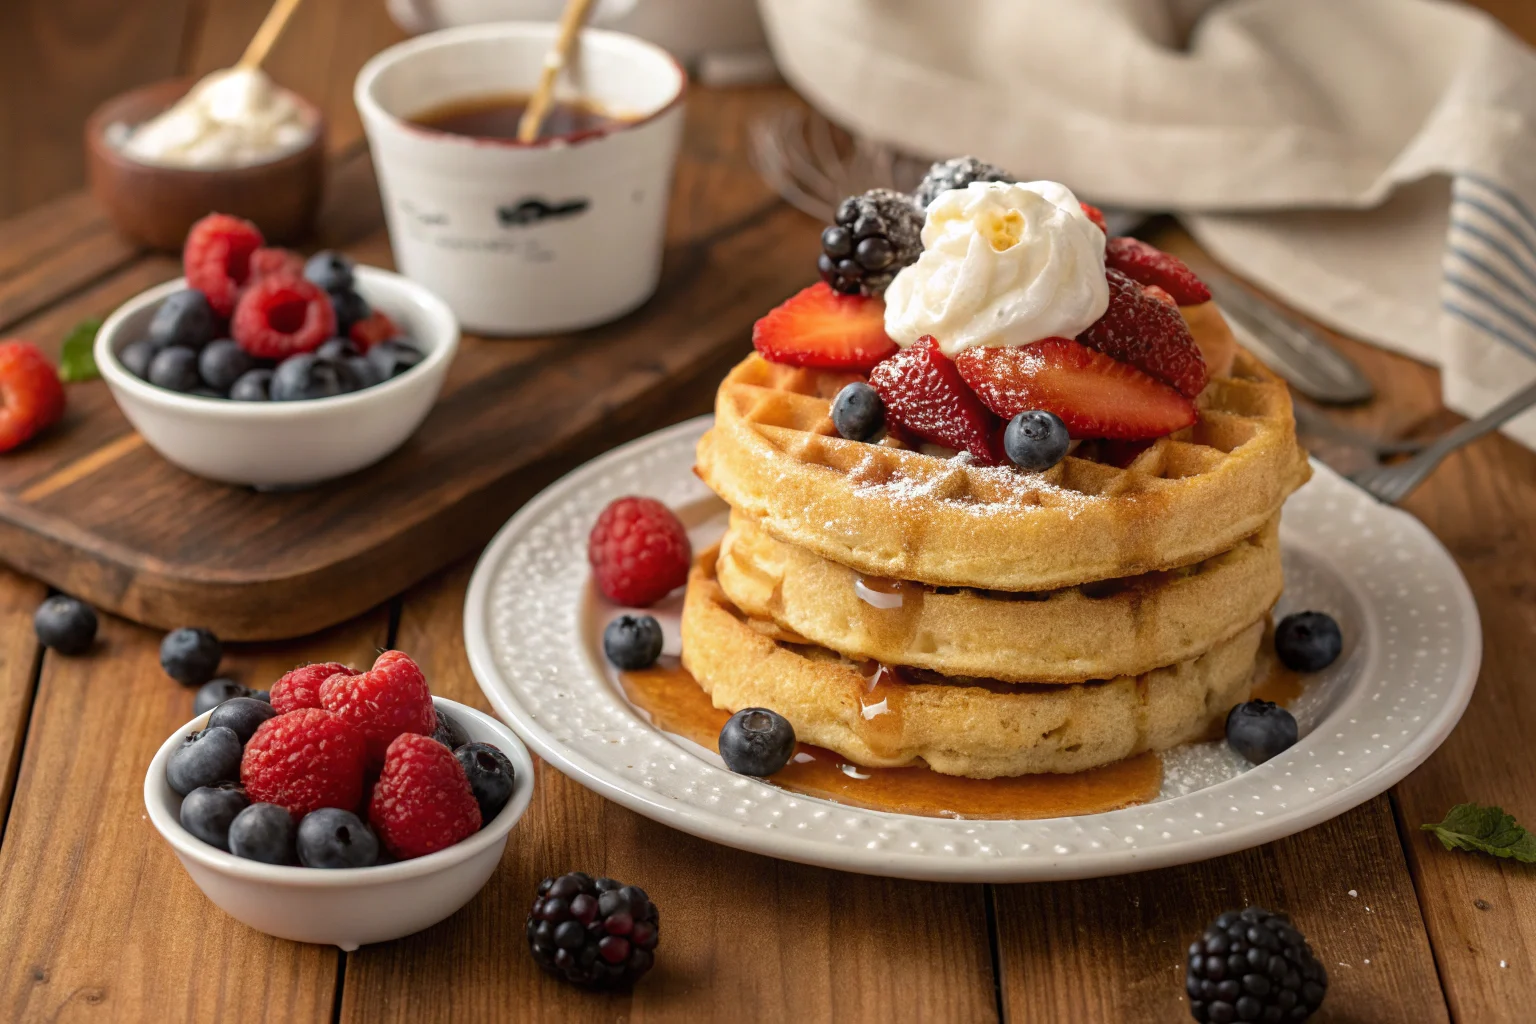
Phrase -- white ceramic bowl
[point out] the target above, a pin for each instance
(285, 444)
(352, 906)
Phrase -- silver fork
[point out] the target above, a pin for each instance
(1391, 484)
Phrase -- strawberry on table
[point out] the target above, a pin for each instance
(31, 397)
(924, 393)
(1149, 265)
(1150, 335)
(1095, 396)
(821, 329)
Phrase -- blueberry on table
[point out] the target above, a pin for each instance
(136, 357)
(208, 811)
(263, 832)
(632, 642)
(334, 838)
(190, 656)
(349, 307)
(392, 358)
(306, 376)
(757, 741)
(1260, 729)
(253, 386)
(330, 270)
(448, 732)
(489, 772)
(215, 692)
(65, 624)
(1036, 440)
(1308, 641)
(243, 715)
(857, 412)
(174, 369)
(223, 362)
(1251, 964)
(204, 758)
(184, 319)
(596, 933)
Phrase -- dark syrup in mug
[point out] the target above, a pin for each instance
(496, 116)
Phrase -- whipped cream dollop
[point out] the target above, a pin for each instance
(232, 118)
(1003, 264)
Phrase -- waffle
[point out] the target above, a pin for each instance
(1094, 631)
(981, 729)
(889, 511)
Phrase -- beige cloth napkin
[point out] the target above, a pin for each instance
(1372, 162)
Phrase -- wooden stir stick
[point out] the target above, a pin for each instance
(271, 27)
(554, 62)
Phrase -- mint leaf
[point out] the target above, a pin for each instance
(1478, 829)
(76, 359)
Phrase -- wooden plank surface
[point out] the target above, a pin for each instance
(19, 653)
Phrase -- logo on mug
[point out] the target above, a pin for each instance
(532, 211)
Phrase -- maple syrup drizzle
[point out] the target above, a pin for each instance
(1272, 681)
(676, 704)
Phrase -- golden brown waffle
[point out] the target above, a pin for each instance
(958, 727)
(888, 511)
(1095, 631)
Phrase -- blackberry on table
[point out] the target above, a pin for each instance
(1252, 965)
(875, 235)
(593, 932)
(956, 172)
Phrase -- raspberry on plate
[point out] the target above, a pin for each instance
(217, 258)
(816, 327)
(305, 760)
(376, 327)
(422, 802)
(300, 688)
(282, 316)
(31, 397)
(273, 262)
(1150, 335)
(924, 393)
(389, 699)
(1148, 265)
(639, 551)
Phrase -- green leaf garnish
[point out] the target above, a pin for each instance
(1478, 829)
(77, 361)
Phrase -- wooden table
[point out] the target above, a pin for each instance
(98, 920)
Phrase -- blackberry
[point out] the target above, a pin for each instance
(1251, 965)
(875, 235)
(956, 173)
(596, 933)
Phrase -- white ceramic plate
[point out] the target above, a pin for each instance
(533, 623)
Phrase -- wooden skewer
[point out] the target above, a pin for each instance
(271, 27)
(554, 62)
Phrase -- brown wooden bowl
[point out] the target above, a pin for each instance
(156, 205)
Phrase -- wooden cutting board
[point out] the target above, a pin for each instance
(95, 512)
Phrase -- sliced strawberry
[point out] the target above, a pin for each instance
(923, 392)
(819, 328)
(1141, 262)
(1096, 215)
(1095, 396)
(1161, 296)
(1148, 334)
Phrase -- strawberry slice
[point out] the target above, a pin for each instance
(1095, 396)
(819, 328)
(924, 394)
(1148, 265)
(1095, 214)
(1148, 334)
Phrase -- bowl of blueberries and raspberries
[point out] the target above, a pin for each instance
(266, 368)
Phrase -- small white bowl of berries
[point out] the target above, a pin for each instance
(354, 807)
(262, 368)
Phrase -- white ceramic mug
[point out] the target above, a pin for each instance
(533, 238)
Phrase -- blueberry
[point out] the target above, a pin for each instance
(223, 362)
(364, 374)
(632, 642)
(1259, 730)
(330, 270)
(857, 412)
(305, 376)
(174, 369)
(337, 349)
(392, 358)
(349, 307)
(184, 319)
(333, 838)
(190, 656)
(242, 715)
(449, 733)
(1035, 440)
(207, 811)
(265, 696)
(253, 386)
(204, 759)
(757, 741)
(65, 624)
(137, 356)
(263, 832)
(215, 692)
(489, 772)
(1308, 641)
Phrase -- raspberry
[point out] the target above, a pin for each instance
(1096, 215)
(639, 551)
(31, 397)
(596, 933)
(371, 330)
(304, 760)
(923, 392)
(1160, 295)
(1147, 265)
(1149, 335)
(272, 262)
(282, 316)
(422, 802)
(389, 699)
(217, 258)
(300, 688)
